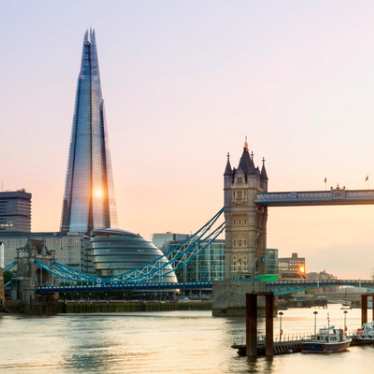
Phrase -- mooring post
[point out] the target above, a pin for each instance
(251, 324)
(269, 314)
(364, 309)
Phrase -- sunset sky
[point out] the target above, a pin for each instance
(184, 82)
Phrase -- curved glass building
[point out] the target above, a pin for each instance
(110, 252)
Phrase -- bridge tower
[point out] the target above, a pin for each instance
(29, 275)
(245, 242)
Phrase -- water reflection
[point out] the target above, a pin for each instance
(168, 342)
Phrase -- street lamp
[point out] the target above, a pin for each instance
(345, 321)
(315, 322)
(280, 325)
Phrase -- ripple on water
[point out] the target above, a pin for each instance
(163, 342)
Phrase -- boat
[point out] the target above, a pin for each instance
(366, 332)
(328, 340)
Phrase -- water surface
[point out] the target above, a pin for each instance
(164, 342)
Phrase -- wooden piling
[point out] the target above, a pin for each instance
(364, 309)
(251, 325)
(269, 314)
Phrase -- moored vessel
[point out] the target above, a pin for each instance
(366, 332)
(328, 340)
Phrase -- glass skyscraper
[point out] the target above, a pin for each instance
(88, 200)
(89, 206)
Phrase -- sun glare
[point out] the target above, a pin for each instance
(98, 193)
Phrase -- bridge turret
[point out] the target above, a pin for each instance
(264, 176)
(227, 179)
(245, 223)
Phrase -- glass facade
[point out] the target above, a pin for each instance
(271, 261)
(111, 252)
(88, 199)
(15, 211)
(207, 265)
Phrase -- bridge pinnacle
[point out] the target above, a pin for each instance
(264, 175)
(228, 169)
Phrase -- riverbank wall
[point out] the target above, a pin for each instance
(103, 306)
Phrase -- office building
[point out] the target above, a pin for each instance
(160, 240)
(88, 200)
(271, 261)
(208, 263)
(292, 267)
(15, 211)
(67, 246)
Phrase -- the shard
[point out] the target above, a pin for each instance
(88, 200)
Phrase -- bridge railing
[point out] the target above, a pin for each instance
(285, 338)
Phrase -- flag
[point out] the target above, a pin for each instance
(366, 178)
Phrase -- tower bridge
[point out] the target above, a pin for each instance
(246, 203)
(245, 212)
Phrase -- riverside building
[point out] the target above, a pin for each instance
(109, 252)
(15, 211)
(67, 246)
(292, 267)
(206, 266)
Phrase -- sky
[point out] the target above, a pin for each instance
(184, 82)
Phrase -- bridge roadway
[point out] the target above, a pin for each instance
(278, 288)
(338, 196)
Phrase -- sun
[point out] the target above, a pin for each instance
(98, 192)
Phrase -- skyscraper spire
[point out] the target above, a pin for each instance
(88, 199)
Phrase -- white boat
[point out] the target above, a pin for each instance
(328, 340)
(366, 332)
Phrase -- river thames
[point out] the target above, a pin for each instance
(164, 342)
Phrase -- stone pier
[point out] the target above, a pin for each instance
(229, 297)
